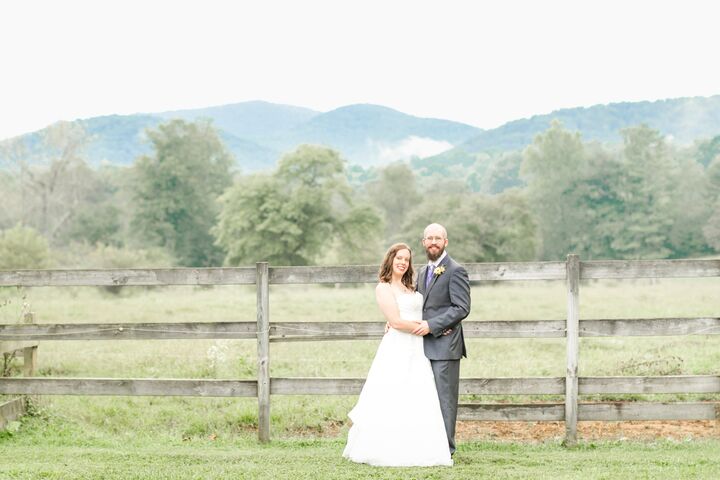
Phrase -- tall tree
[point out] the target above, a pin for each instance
(708, 150)
(711, 229)
(501, 173)
(11, 204)
(551, 167)
(480, 228)
(599, 209)
(646, 190)
(394, 193)
(296, 214)
(177, 188)
(52, 177)
(712, 174)
(691, 208)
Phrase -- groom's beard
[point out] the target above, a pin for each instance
(435, 253)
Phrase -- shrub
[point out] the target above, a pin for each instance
(108, 256)
(80, 255)
(23, 248)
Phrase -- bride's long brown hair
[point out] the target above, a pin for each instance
(385, 274)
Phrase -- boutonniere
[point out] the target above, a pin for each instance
(439, 270)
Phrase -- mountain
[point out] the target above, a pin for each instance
(245, 127)
(259, 133)
(115, 138)
(250, 120)
(682, 119)
(120, 139)
(373, 134)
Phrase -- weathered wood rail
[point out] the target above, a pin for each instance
(14, 408)
(572, 328)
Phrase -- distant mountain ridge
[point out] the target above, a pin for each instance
(258, 133)
(250, 120)
(363, 132)
(682, 119)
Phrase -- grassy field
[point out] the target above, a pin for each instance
(153, 437)
(68, 455)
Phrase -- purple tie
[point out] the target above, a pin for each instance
(429, 275)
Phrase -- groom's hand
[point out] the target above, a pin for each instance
(422, 329)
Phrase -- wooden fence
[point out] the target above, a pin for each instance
(14, 408)
(571, 386)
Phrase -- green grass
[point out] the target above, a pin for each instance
(156, 437)
(54, 448)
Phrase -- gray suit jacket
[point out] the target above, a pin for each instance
(445, 304)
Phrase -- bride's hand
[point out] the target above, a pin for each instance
(447, 331)
(422, 329)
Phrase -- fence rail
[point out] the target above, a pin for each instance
(508, 271)
(352, 386)
(322, 331)
(14, 408)
(264, 331)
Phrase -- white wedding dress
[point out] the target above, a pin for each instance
(397, 421)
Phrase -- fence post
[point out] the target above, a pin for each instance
(30, 360)
(572, 342)
(263, 342)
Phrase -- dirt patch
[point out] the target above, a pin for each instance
(548, 431)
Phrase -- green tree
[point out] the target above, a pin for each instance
(102, 216)
(394, 193)
(11, 200)
(501, 174)
(711, 229)
(646, 189)
(51, 176)
(594, 196)
(177, 188)
(617, 204)
(712, 174)
(480, 228)
(708, 150)
(23, 248)
(691, 208)
(96, 224)
(551, 167)
(295, 215)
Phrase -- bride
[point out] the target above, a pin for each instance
(397, 420)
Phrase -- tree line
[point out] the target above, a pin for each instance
(188, 204)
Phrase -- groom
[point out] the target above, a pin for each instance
(445, 287)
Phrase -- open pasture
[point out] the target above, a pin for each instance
(215, 436)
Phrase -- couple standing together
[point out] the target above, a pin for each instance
(406, 412)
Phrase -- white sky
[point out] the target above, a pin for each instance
(479, 62)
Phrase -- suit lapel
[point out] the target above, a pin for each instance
(421, 283)
(434, 278)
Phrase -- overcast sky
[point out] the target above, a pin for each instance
(479, 62)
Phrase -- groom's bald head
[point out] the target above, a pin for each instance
(434, 240)
(435, 229)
